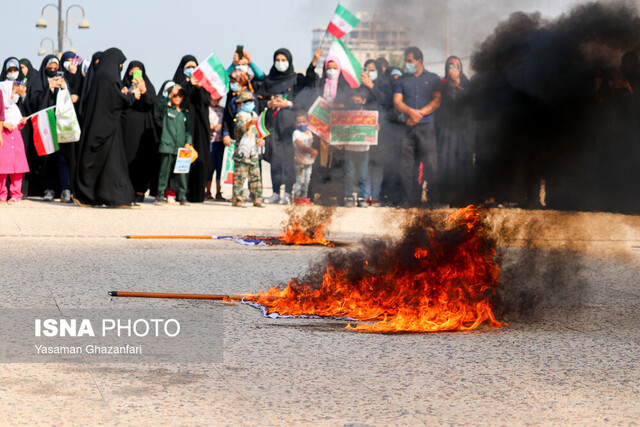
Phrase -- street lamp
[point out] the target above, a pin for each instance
(42, 50)
(63, 26)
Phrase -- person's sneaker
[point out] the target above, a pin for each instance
(306, 201)
(274, 199)
(375, 203)
(349, 202)
(259, 203)
(207, 195)
(139, 198)
(286, 199)
(184, 203)
(239, 204)
(65, 197)
(363, 203)
(171, 199)
(298, 201)
(160, 201)
(48, 196)
(219, 198)
(13, 201)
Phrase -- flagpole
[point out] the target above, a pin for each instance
(38, 112)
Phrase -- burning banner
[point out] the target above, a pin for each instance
(435, 278)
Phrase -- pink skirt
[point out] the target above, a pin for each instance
(12, 156)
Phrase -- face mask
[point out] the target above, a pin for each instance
(50, 72)
(332, 73)
(66, 65)
(373, 75)
(302, 128)
(243, 67)
(165, 95)
(410, 68)
(15, 98)
(282, 66)
(189, 71)
(235, 87)
(12, 75)
(248, 107)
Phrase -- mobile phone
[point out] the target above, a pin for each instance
(137, 75)
(239, 51)
(60, 74)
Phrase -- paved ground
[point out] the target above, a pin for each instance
(571, 360)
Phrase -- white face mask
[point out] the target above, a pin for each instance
(13, 75)
(243, 67)
(15, 98)
(332, 73)
(282, 66)
(66, 65)
(373, 75)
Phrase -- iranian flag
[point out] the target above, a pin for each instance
(342, 22)
(261, 127)
(213, 76)
(351, 68)
(45, 135)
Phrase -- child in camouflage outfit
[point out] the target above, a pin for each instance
(246, 153)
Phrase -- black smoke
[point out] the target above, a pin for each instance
(553, 102)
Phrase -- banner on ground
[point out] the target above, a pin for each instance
(351, 68)
(354, 128)
(342, 22)
(213, 76)
(320, 118)
(45, 135)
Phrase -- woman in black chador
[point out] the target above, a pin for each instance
(139, 133)
(196, 100)
(102, 176)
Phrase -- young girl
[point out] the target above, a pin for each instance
(13, 161)
(304, 157)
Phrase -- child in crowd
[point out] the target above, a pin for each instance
(176, 133)
(13, 161)
(245, 157)
(356, 160)
(304, 157)
(216, 147)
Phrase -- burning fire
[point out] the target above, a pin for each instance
(307, 228)
(434, 279)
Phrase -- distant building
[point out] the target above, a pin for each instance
(371, 39)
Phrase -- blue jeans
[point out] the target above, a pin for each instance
(356, 165)
(303, 176)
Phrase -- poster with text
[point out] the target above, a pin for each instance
(320, 117)
(354, 128)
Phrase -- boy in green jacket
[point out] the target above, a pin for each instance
(176, 133)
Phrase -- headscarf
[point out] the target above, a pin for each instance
(165, 86)
(3, 72)
(330, 87)
(127, 79)
(32, 71)
(12, 113)
(44, 79)
(464, 81)
(66, 56)
(87, 82)
(278, 82)
(242, 78)
(179, 76)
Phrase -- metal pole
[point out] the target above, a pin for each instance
(60, 28)
(446, 35)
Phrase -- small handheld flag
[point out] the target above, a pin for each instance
(342, 22)
(213, 76)
(45, 134)
(261, 127)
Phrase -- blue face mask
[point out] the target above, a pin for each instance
(165, 95)
(248, 107)
(410, 68)
(235, 87)
(189, 71)
(302, 128)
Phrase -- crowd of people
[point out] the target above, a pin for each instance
(131, 133)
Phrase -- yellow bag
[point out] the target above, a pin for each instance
(194, 153)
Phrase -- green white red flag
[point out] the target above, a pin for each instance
(263, 132)
(45, 134)
(342, 22)
(350, 66)
(213, 76)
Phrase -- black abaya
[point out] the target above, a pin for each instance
(139, 133)
(196, 100)
(102, 174)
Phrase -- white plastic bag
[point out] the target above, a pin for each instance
(66, 120)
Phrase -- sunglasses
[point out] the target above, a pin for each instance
(175, 95)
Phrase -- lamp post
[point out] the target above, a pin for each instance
(42, 50)
(63, 26)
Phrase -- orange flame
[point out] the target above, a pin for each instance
(447, 283)
(306, 228)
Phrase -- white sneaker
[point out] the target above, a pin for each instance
(286, 199)
(171, 199)
(274, 199)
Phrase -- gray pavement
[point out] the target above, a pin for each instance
(571, 361)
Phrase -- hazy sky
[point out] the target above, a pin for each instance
(160, 32)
